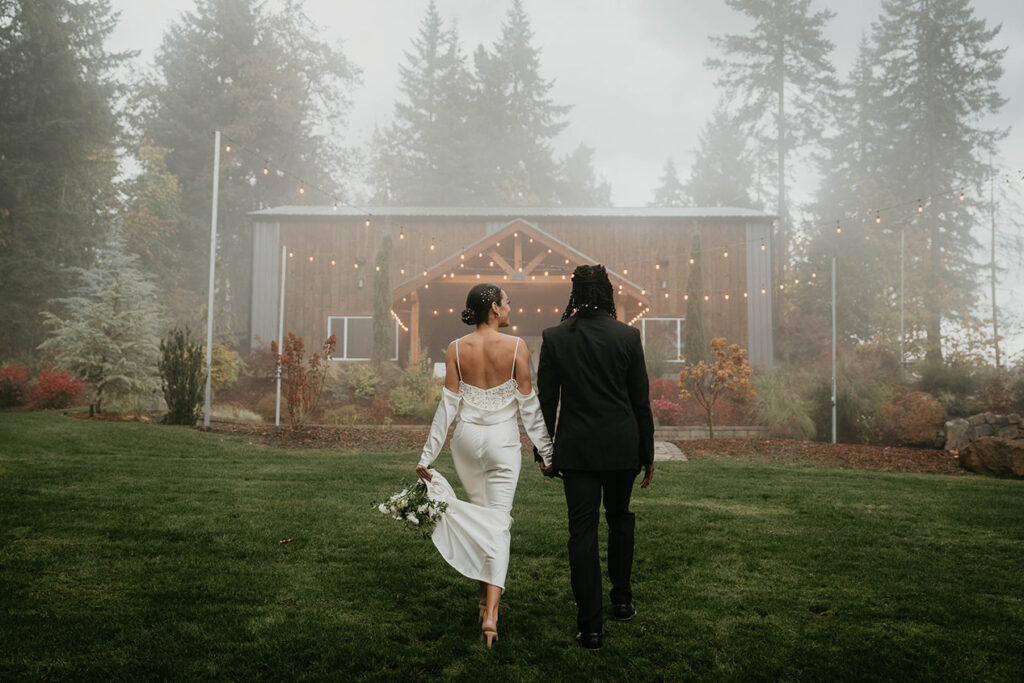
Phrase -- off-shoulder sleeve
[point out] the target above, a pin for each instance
(447, 409)
(533, 421)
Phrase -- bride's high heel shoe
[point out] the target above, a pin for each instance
(489, 632)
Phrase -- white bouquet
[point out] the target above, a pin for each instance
(413, 507)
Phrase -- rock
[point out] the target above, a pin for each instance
(990, 418)
(995, 457)
(1014, 418)
(982, 431)
(1001, 420)
(956, 434)
(1008, 432)
(976, 420)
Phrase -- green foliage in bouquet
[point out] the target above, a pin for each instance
(414, 508)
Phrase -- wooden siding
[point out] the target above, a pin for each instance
(316, 289)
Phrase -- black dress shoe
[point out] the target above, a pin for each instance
(589, 641)
(623, 612)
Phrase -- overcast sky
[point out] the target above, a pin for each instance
(631, 69)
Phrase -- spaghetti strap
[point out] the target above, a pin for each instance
(458, 366)
(514, 354)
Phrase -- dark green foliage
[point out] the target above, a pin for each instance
(722, 172)
(695, 343)
(58, 139)
(383, 323)
(181, 376)
(780, 77)
(268, 82)
(671, 191)
(129, 555)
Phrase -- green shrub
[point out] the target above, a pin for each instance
(778, 405)
(862, 389)
(362, 380)
(181, 376)
(267, 407)
(417, 394)
(227, 365)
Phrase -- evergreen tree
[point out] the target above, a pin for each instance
(781, 74)
(720, 175)
(514, 118)
(578, 184)
(671, 191)
(434, 163)
(58, 134)
(270, 85)
(109, 336)
(383, 325)
(695, 343)
(911, 130)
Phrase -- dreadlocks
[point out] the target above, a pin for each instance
(591, 289)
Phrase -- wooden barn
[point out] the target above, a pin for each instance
(439, 253)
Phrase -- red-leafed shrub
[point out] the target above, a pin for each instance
(913, 418)
(56, 389)
(664, 390)
(667, 412)
(13, 386)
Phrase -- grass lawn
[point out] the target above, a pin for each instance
(138, 551)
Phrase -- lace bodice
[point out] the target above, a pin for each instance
(494, 398)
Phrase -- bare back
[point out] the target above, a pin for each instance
(486, 361)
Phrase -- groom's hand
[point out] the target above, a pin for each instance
(547, 471)
(648, 475)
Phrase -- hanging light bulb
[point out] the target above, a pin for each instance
(691, 260)
(333, 262)
(961, 195)
(302, 188)
(310, 259)
(920, 206)
(377, 268)
(431, 244)
(402, 271)
(335, 207)
(725, 254)
(763, 247)
(401, 233)
(839, 230)
(367, 223)
(266, 168)
(878, 219)
(291, 254)
(625, 271)
(227, 148)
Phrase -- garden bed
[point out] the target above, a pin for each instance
(778, 451)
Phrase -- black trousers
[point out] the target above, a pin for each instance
(583, 489)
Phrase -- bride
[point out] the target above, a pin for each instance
(487, 382)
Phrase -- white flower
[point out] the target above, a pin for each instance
(383, 508)
(422, 508)
(412, 518)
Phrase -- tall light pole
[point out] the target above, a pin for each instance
(833, 349)
(992, 214)
(213, 262)
(280, 334)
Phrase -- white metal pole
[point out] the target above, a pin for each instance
(833, 349)
(280, 333)
(903, 235)
(213, 262)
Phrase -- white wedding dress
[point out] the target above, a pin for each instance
(473, 537)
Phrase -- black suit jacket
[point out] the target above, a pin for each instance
(595, 365)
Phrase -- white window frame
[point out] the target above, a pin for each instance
(343, 337)
(679, 335)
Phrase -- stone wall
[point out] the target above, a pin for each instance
(960, 432)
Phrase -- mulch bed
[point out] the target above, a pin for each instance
(813, 453)
(776, 451)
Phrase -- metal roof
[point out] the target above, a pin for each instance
(511, 212)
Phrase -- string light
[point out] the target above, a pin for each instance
(920, 206)
(367, 223)
(266, 168)
(839, 230)
(333, 262)
(302, 189)
(961, 195)
(401, 233)
(399, 320)
(291, 254)
(878, 219)
(310, 259)
(335, 205)
(725, 254)
(227, 148)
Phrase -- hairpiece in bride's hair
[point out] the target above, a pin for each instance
(591, 290)
(478, 303)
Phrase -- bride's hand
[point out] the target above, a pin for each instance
(423, 473)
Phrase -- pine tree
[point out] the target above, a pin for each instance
(671, 191)
(938, 74)
(578, 184)
(695, 343)
(58, 139)
(109, 336)
(383, 326)
(720, 175)
(434, 162)
(274, 89)
(781, 74)
(514, 118)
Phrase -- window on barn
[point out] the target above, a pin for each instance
(354, 334)
(663, 338)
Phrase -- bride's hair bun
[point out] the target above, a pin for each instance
(469, 317)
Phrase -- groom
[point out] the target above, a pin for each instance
(595, 365)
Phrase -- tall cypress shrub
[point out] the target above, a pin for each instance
(181, 376)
